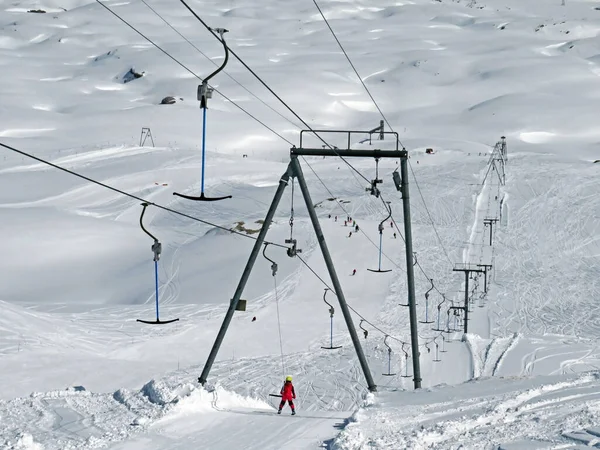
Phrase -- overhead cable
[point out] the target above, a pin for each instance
(127, 194)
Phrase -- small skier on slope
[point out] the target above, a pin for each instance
(287, 394)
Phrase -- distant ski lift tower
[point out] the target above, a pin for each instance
(491, 223)
(467, 269)
(486, 267)
(145, 134)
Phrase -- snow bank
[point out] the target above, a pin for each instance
(490, 413)
(217, 399)
(25, 442)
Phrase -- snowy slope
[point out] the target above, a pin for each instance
(79, 372)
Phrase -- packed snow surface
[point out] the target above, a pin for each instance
(79, 88)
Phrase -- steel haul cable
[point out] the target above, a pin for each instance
(127, 194)
(192, 72)
(386, 121)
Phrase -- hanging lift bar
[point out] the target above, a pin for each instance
(331, 312)
(156, 249)
(274, 273)
(365, 331)
(406, 375)
(427, 303)
(380, 228)
(389, 372)
(204, 93)
(439, 309)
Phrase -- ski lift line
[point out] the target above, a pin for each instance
(385, 333)
(127, 194)
(387, 122)
(214, 63)
(429, 214)
(346, 212)
(384, 118)
(194, 74)
(272, 91)
(418, 264)
(355, 71)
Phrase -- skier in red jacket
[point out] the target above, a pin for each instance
(287, 394)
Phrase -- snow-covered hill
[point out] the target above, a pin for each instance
(79, 372)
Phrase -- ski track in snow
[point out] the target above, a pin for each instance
(483, 415)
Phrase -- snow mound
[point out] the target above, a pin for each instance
(24, 442)
(159, 393)
(217, 400)
(491, 413)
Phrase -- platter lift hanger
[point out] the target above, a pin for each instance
(274, 273)
(204, 93)
(379, 270)
(406, 375)
(439, 309)
(331, 312)
(437, 349)
(365, 331)
(156, 249)
(427, 303)
(389, 349)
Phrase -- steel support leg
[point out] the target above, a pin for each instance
(410, 274)
(283, 182)
(466, 301)
(297, 172)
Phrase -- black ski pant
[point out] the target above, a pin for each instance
(282, 404)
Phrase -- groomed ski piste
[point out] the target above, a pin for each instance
(79, 372)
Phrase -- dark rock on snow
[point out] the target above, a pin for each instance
(168, 101)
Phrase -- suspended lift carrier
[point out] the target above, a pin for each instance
(156, 249)
(204, 93)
